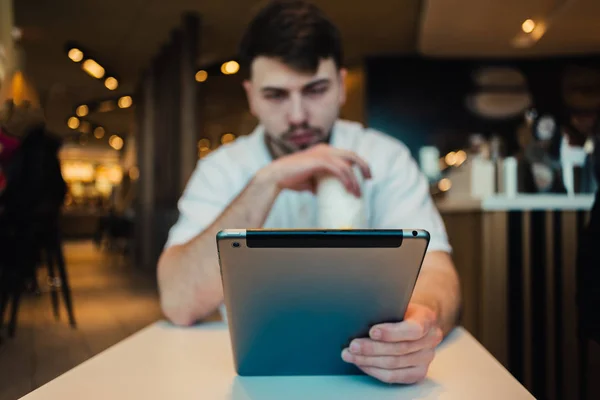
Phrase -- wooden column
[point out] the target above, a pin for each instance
(168, 135)
(188, 154)
(146, 112)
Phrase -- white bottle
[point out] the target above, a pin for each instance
(338, 208)
(510, 176)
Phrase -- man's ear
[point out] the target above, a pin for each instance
(343, 74)
(248, 89)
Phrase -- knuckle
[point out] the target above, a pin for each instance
(367, 347)
(401, 348)
(390, 363)
(359, 360)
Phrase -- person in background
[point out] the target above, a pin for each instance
(295, 88)
(33, 188)
(32, 191)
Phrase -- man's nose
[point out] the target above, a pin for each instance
(297, 114)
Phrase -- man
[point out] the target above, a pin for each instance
(267, 179)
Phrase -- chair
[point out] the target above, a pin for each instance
(22, 251)
(17, 265)
(51, 251)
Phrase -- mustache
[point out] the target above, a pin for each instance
(303, 128)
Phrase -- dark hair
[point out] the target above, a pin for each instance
(294, 31)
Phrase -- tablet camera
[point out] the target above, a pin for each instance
(235, 244)
(415, 233)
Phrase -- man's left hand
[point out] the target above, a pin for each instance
(398, 352)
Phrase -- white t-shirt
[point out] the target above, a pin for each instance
(396, 197)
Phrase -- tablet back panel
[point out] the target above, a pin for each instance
(295, 299)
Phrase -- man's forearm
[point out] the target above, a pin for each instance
(188, 275)
(438, 287)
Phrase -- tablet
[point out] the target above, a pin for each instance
(296, 298)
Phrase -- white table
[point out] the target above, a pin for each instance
(165, 362)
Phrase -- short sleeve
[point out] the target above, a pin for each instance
(208, 192)
(401, 198)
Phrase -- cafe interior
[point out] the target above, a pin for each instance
(497, 101)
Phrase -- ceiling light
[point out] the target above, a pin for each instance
(201, 76)
(115, 142)
(227, 138)
(99, 132)
(450, 158)
(445, 184)
(111, 83)
(93, 68)
(524, 40)
(125, 102)
(73, 123)
(82, 110)
(75, 55)
(528, 26)
(230, 67)
(461, 157)
(204, 143)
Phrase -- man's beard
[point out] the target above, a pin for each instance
(282, 144)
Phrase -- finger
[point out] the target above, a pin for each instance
(337, 170)
(398, 332)
(419, 311)
(344, 172)
(306, 186)
(370, 347)
(354, 159)
(416, 325)
(404, 375)
(349, 173)
(419, 358)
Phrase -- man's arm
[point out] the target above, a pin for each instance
(189, 278)
(402, 200)
(438, 288)
(188, 275)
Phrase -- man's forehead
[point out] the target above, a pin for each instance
(270, 72)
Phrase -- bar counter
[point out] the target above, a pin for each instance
(516, 257)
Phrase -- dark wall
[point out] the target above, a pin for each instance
(423, 101)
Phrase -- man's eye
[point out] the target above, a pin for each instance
(317, 90)
(275, 96)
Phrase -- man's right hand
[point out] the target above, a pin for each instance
(300, 171)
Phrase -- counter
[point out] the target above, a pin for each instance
(516, 257)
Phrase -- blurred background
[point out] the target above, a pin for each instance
(498, 102)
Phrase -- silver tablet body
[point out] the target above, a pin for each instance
(296, 298)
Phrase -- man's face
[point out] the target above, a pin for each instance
(297, 109)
